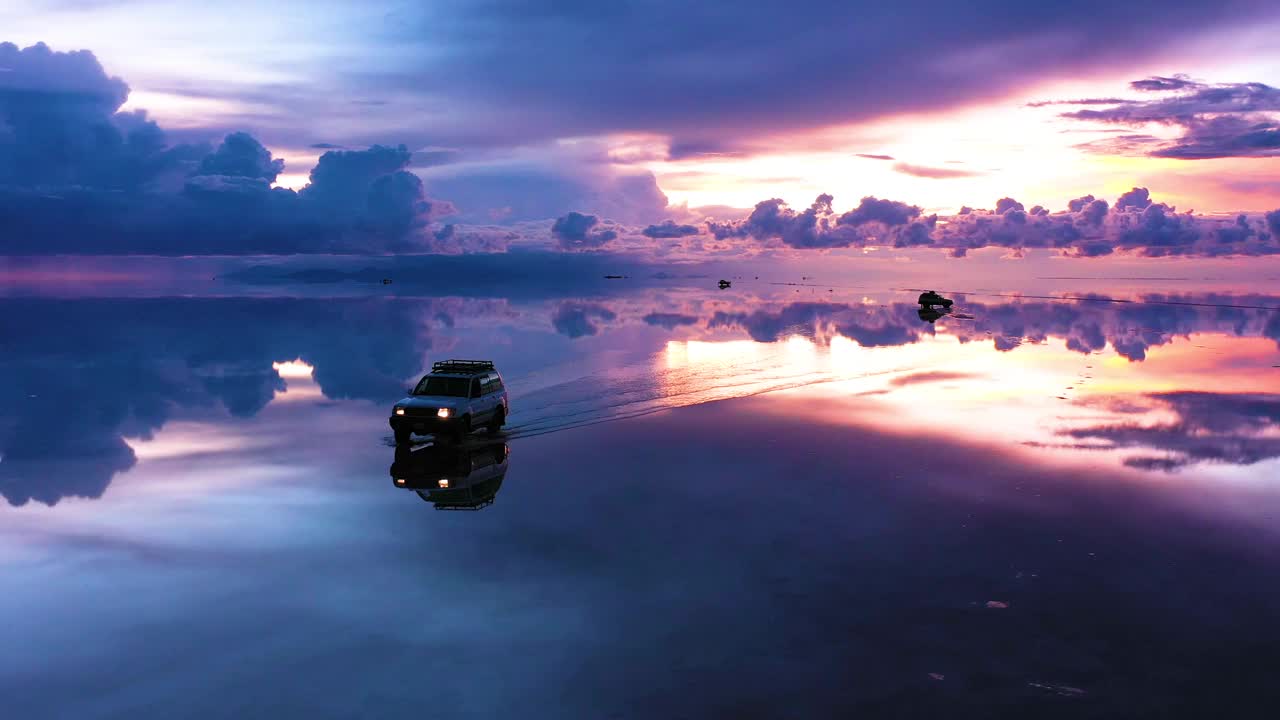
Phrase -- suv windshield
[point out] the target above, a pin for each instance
(446, 386)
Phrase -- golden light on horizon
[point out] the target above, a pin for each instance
(293, 369)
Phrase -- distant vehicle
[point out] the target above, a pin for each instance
(724, 284)
(456, 397)
(931, 298)
(452, 477)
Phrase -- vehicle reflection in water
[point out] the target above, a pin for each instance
(932, 314)
(452, 476)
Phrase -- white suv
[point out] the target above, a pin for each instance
(456, 397)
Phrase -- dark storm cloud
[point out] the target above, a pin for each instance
(669, 229)
(1217, 121)
(1232, 428)
(577, 231)
(240, 155)
(78, 176)
(720, 72)
(59, 126)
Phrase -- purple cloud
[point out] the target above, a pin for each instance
(576, 231)
(707, 85)
(935, 173)
(77, 175)
(1217, 121)
(669, 229)
(1089, 228)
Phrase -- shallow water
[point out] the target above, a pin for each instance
(776, 500)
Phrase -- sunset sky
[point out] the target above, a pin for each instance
(635, 113)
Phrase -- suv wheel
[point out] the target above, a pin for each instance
(499, 419)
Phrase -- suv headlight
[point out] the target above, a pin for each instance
(442, 412)
(399, 411)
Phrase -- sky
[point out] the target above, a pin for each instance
(725, 129)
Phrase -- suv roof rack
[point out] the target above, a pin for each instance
(462, 366)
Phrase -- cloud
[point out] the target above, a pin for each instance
(576, 231)
(874, 210)
(78, 176)
(669, 229)
(59, 125)
(935, 173)
(874, 157)
(547, 181)
(240, 155)
(1157, 83)
(1088, 228)
(818, 226)
(705, 82)
(1217, 121)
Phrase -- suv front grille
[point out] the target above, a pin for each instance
(419, 412)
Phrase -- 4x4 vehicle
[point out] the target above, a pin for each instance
(456, 397)
(930, 298)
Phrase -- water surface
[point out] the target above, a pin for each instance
(777, 500)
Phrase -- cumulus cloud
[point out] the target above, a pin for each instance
(77, 175)
(669, 229)
(59, 125)
(576, 231)
(1090, 227)
(1216, 120)
(240, 155)
(874, 221)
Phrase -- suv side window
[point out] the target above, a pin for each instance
(476, 388)
(497, 385)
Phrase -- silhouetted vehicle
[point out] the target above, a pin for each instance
(456, 397)
(931, 315)
(724, 284)
(931, 298)
(452, 477)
